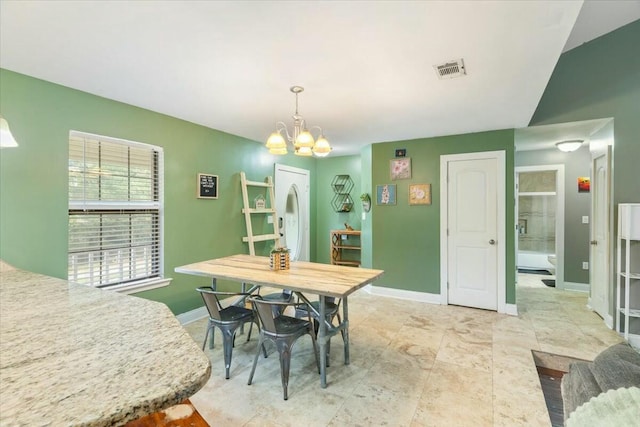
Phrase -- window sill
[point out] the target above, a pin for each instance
(146, 285)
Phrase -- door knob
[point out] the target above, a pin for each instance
(594, 242)
(492, 242)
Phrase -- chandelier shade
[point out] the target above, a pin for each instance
(6, 137)
(300, 138)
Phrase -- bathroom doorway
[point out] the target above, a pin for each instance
(540, 222)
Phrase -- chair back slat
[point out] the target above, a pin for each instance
(265, 314)
(211, 302)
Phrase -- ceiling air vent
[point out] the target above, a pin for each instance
(451, 69)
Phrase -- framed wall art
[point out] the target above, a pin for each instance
(419, 194)
(386, 194)
(400, 168)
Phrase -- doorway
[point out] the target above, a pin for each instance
(292, 210)
(540, 222)
(472, 226)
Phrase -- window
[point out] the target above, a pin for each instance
(115, 212)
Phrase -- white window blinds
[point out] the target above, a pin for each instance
(115, 211)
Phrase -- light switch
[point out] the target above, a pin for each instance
(364, 216)
(270, 219)
(585, 219)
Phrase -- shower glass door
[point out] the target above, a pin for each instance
(537, 201)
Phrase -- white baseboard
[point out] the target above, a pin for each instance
(608, 320)
(403, 294)
(511, 309)
(578, 287)
(634, 340)
(193, 315)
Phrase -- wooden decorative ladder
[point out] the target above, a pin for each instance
(269, 209)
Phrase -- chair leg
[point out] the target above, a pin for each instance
(250, 329)
(255, 359)
(284, 348)
(228, 337)
(213, 334)
(315, 349)
(210, 330)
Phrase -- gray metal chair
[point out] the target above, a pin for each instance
(332, 310)
(283, 331)
(227, 319)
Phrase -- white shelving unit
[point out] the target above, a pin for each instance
(628, 271)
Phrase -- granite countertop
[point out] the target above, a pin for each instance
(76, 355)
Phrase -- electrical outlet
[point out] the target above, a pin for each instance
(585, 265)
(270, 219)
(585, 219)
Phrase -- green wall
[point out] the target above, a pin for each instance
(366, 237)
(407, 238)
(33, 180)
(597, 80)
(328, 219)
(601, 79)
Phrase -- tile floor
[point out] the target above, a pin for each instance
(412, 364)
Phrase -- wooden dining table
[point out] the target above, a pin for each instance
(324, 280)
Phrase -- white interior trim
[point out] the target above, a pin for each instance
(403, 294)
(147, 285)
(501, 196)
(192, 315)
(578, 287)
(511, 309)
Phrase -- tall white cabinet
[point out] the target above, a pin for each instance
(628, 271)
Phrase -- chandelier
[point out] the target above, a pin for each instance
(300, 138)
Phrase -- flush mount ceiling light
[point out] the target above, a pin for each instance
(569, 145)
(6, 138)
(300, 138)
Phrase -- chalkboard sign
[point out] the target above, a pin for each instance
(207, 186)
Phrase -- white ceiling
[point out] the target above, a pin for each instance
(367, 66)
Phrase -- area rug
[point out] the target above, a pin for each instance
(530, 271)
(549, 282)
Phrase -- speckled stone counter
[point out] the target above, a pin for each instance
(75, 355)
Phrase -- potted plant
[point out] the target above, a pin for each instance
(279, 258)
(366, 202)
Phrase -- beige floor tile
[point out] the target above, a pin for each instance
(412, 364)
(455, 396)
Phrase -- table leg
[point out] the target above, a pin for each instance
(345, 330)
(322, 342)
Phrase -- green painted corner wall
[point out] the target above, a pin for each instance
(33, 180)
(407, 238)
(328, 219)
(585, 85)
(366, 237)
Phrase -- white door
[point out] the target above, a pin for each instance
(292, 209)
(474, 230)
(599, 254)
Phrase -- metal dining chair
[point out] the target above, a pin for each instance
(332, 310)
(283, 331)
(227, 319)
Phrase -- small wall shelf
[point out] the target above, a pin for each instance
(342, 186)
